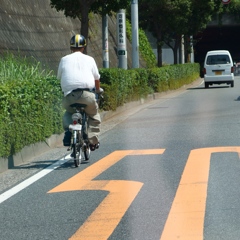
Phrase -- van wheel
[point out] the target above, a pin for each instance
(232, 84)
(206, 85)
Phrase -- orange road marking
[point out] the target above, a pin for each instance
(102, 222)
(186, 218)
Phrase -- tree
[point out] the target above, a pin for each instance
(177, 25)
(151, 19)
(81, 8)
(202, 13)
(205, 11)
(165, 19)
(168, 20)
(233, 8)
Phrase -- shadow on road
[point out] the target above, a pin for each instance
(47, 163)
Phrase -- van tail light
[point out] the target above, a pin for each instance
(232, 70)
(204, 71)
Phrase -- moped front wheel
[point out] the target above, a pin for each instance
(86, 152)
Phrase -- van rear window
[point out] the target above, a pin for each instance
(218, 59)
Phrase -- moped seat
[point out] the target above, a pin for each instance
(78, 105)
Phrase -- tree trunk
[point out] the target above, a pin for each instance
(158, 30)
(85, 8)
(84, 21)
(175, 55)
(188, 48)
(176, 48)
(159, 53)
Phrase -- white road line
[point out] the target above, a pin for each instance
(9, 193)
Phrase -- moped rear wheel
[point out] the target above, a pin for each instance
(76, 155)
(76, 148)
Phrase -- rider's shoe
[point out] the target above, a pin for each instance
(94, 146)
(67, 138)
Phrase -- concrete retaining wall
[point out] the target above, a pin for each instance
(34, 29)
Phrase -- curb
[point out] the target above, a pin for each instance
(30, 152)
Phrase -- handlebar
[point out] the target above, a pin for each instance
(100, 91)
(98, 94)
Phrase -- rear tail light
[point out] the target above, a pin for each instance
(204, 71)
(232, 70)
(76, 117)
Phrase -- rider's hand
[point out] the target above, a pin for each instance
(100, 90)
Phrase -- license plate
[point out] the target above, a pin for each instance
(75, 127)
(218, 72)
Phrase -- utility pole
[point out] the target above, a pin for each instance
(135, 37)
(121, 39)
(105, 41)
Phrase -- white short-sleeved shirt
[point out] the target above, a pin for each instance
(77, 70)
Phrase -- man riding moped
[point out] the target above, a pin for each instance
(79, 75)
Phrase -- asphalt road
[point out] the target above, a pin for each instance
(169, 170)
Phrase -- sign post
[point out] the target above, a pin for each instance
(121, 39)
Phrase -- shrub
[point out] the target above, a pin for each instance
(145, 48)
(122, 86)
(30, 105)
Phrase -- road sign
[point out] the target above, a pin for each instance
(226, 1)
(121, 52)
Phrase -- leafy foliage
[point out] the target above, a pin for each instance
(30, 104)
(74, 9)
(81, 9)
(190, 16)
(145, 48)
(103, 7)
(232, 8)
(173, 76)
(122, 86)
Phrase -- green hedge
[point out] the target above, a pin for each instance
(121, 86)
(30, 107)
(173, 76)
(30, 111)
(30, 99)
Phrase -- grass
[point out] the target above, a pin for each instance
(21, 68)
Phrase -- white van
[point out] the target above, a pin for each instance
(218, 68)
